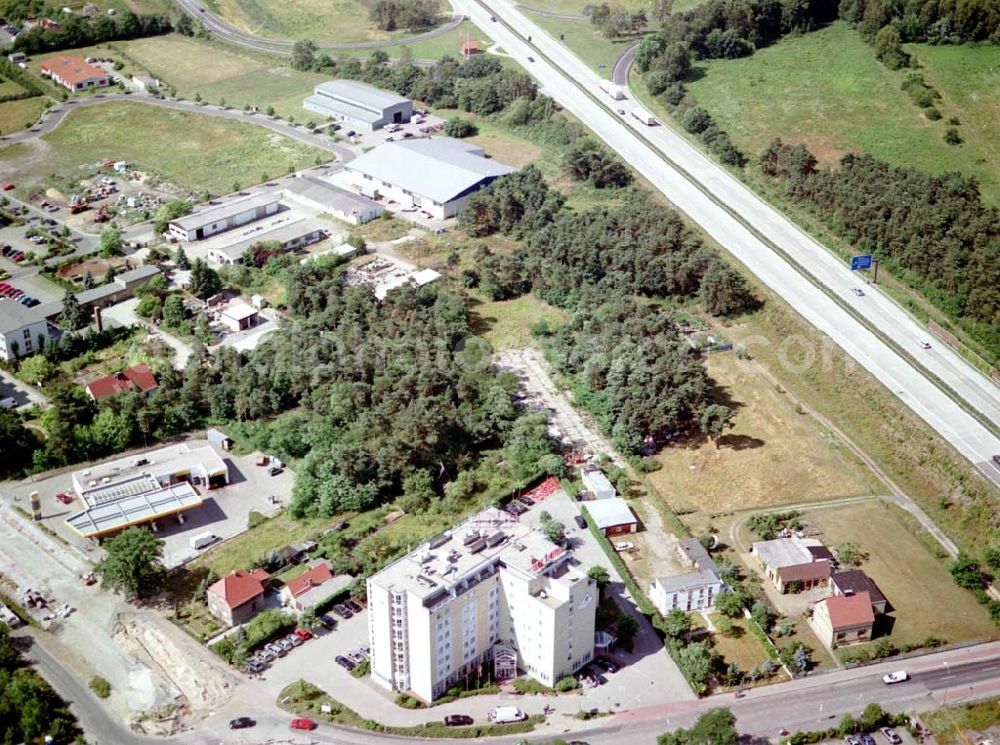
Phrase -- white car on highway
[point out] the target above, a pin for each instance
(897, 677)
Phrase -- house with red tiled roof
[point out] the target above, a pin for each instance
(138, 378)
(74, 73)
(844, 619)
(314, 586)
(238, 597)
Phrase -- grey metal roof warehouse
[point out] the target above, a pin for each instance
(215, 214)
(357, 100)
(287, 232)
(439, 168)
(317, 190)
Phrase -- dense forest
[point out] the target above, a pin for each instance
(933, 229)
(630, 366)
(372, 390)
(29, 708)
(638, 376)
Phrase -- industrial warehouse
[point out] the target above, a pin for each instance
(139, 490)
(358, 104)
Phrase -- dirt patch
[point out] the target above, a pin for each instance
(96, 266)
(200, 686)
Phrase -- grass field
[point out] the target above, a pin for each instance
(216, 73)
(507, 324)
(827, 90)
(18, 115)
(739, 645)
(774, 455)
(193, 152)
(319, 20)
(918, 585)
(584, 39)
(974, 720)
(9, 87)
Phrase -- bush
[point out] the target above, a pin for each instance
(458, 127)
(569, 683)
(932, 114)
(952, 137)
(254, 519)
(408, 702)
(100, 687)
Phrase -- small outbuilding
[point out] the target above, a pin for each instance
(612, 516)
(240, 317)
(597, 484)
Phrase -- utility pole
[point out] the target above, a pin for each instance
(875, 277)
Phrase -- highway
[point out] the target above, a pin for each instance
(876, 332)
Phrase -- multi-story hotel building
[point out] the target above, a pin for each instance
(490, 592)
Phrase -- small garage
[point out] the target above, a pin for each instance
(612, 516)
(240, 317)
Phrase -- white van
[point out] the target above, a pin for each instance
(507, 714)
(202, 540)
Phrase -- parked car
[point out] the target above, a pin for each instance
(241, 723)
(294, 639)
(276, 649)
(891, 735)
(852, 740)
(343, 611)
(254, 666)
(526, 500)
(580, 522)
(265, 655)
(344, 662)
(607, 665)
(897, 677)
(355, 606)
(355, 656)
(64, 498)
(303, 635)
(866, 739)
(8, 187)
(624, 546)
(457, 720)
(284, 644)
(303, 723)
(327, 622)
(366, 651)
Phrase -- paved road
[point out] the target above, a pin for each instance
(811, 703)
(233, 35)
(813, 281)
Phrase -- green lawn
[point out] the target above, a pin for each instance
(193, 152)
(9, 87)
(917, 585)
(319, 20)
(584, 40)
(507, 324)
(18, 115)
(827, 90)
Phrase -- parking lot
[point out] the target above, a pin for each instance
(224, 512)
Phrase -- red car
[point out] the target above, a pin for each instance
(303, 634)
(64, 498)
(8, 187)
(303, 723)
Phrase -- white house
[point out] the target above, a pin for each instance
(691, 591)
(431, 175)
(20, 328)
(359, 105)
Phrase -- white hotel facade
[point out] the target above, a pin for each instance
(490, 592)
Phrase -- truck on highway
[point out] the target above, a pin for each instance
(644, 116)
(615, 91)
(507, 715)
